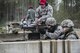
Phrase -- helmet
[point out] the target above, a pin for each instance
(24, 23)
(67, 23)
(43, 2)
(51, 21)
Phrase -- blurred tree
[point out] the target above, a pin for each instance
(11, 10)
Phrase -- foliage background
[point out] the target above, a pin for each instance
(14, 10)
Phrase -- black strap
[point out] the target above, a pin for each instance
(53, 28)
(59, 37)
(76, 36)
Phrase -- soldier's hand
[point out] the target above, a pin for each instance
(65, 29)
(39, 21)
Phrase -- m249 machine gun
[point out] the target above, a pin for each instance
(36, 31)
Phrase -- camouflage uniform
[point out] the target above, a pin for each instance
(69, 33)
(54, 31)
(43, 14)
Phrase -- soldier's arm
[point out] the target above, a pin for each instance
(49, 13)
(37, 15)
(56, 33)
(71, 36)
